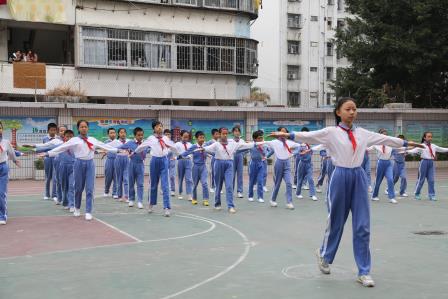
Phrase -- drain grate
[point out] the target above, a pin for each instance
(431, 233)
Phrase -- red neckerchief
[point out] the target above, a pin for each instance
(285, 144)
(162, 143)
(260, 149)
(1, 149)
(123, 141)
(185, 145)
(142, 154)
(224, 145)
(89, 144)
(202, 152)
(384, 149)
(430, 151)
(307, 146)
(350, 136)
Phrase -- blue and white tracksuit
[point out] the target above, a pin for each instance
(238, 165)
(109, 173)
(257, 169)
(50, 182)
(199, 171)
(323, 167)
(172, 171)
(367, 168)
(305, 170)
(184, 168)
(348, 188)
(400, 169)
(121, 167)
(384, 168)
(6, 151)
(67, 161)
(136, 171)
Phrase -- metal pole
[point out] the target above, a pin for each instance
(35, 89)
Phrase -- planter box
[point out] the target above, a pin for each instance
(65, 99)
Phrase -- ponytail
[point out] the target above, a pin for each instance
(338, 106)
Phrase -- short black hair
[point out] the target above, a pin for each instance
(305, 129)
(382, 130)
(121, 129)
(155, 123)
(166, 131)
(215, 131)
(236, 128)
(68, 132)
(183, 132)
(257, 134)
(280, 128)
(80, 122)
(401, 136)
(222, 129)
(137, 129)
(52, 125)
(199, 133)
(110, 129)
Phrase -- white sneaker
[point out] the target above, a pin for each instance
(72, 210)
(190, 198)
(250, 199)
(265, 189)
(232, 210)
(366, 281)
(314, 198)
(173, 194)
(46, 198)
(131, 203)
(306, 188)
(393, 200)
(370, 189)
(290, 206)
(404, 195)
(318, 190)
(89, 216)
(167, 213)
(57, 203)
(385, 192)
(76, 213)
(222, 191)
(150, 209)
(106, 195)
(294, 187)
(323, 266)
(180, 196)
(139, 205)
(212, 190)
(218, 208)
(375, 199)
(261, 200)
(55, 199)
(273, 204)
(66, 208)
(115, 197)
(240, 195)
(2, 222)
(300, 196)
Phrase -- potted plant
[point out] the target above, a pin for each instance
(38, 170)
(66, 94)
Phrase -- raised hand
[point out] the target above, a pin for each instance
(279, 134)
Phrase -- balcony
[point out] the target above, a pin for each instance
(245, 6)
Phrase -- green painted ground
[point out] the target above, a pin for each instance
(260, 252)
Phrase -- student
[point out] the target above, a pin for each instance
(238, 162)
(172, 165)
(215, 138)
(136, 167)
(224, 168)
(297, 157)
(200, 172)
(67, 161)
(324, 159)
(121, 167)
(83, 148)
(6, 151)
(305, 170)
(269, 153)
(184, 165)
(56, 167)
(109, 167)
(366, 166)
(400, 168)
(283, 150)
(257, 169)
(158, 168)
(426, 169)
(384, 169)
(348, 186)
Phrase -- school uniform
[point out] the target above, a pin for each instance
(283, 150)
(367, 168)
(212, 167)
(305, 170)
(49, 167)
(426, 169)
(83, 149)
(110, 173)
(136, 170)
(399, 169)
(67, 162)
(172, 171)
(184, 168)
(199, 171)
(238, 165)
(6, 151)
(324, 158)
(257, 169)
(158, 166)
(384, 168)
(297, 157)
(270, 152)
(224, 167)
(348, 188)
(121, 167)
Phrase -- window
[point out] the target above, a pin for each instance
(313, 69)
(119, 48)
(294, 21)
(314, 19)
(330, 2)
(329, 24)
(314, 44)
(340, 4)
(212, 3)
(314, 94)
(293, 47)
(340, 24)
(293, 99)
(329, 73)
(293, 72)
(329, 98)
(329, 49)
(184, 2)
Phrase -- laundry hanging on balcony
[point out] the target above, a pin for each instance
(48, 11)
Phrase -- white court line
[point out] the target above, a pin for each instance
(212, 227)
(242, 257)
(119, 230)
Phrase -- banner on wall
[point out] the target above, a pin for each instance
(268, 126)
(25, 130)
(205, 126)
(413, 130)
(98, 126)
(48, 11)
(376, 125)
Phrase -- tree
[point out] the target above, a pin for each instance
(397, 50)
(14, 125)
